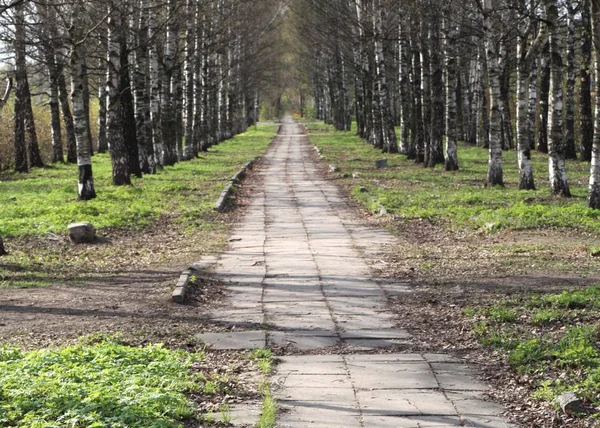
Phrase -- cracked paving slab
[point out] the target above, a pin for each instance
(299, 280)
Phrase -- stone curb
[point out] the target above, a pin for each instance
(237, 178)
(178, 295)
(181, 287)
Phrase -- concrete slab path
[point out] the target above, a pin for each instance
(299, 279)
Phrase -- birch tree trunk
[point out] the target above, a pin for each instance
(542, 143)
(25, 110)
(143, 90)
(118, 150)
(556, 138)
(507, 131)
(426, 89)
(68, 119)
(50, 59)
(586, 121)
(570, 150)
(190, 53)
(436, 152)
(56, 44)
(128, 120)
(388, 134)
(102, 137)
(167, 96)
(405, 96)
(451, 160)
(20, 145)
(593, 200)
(417, 132)
(3, 101)
(526, 54)
(495, 171)
(155, 92)
(80, 119)
(526, 181)
(533, 103)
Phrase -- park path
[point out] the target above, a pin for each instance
(298, 279)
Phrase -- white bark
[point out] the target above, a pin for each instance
(493, 58)
(593, 200)
(78, 68)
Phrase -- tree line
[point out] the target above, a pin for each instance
(501, 74)
(171, 78)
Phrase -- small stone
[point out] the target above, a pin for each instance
(363, 189)
(80, 233)
(333, 168)
(381, 163)
(382, 210)
(570, 403)
(356, 175)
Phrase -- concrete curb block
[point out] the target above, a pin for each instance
(205, 264)
(237, 178)
(178, 295)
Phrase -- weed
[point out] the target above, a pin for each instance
(469, 312)
(528, 353)
(264, 360)
(269, 409)
(481, 329)
(546, 316)
(577, 347)
(501, 314)
(225, 409)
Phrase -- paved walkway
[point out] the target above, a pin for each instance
(299, 280)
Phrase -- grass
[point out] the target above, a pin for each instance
(97, 385)
(265, 361)
(45, 200)
(38, 206)
(457, 199)
(554, 339)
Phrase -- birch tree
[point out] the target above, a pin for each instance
(78, 68)
(556, 140)
(593, 200)
(493, 59)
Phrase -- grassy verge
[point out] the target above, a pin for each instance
(456, 199)
(44, 201)
(552, 339)
(152, 221)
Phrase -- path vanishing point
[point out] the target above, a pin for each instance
(299, 278)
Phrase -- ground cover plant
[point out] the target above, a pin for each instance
(104, 381)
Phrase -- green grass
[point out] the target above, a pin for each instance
(97, 385)
(553, 338)
(457, 199)
(265, 361)
(45, 200)
(179, 198)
